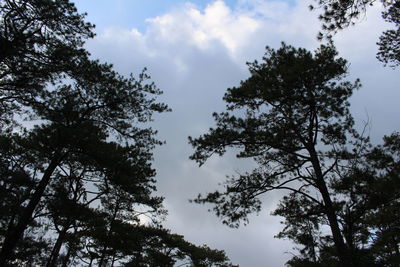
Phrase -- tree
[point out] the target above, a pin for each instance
(16, 184)
(371, 213)
(72, 143)
(367, 203)
(339, 14)
(389, 42)
(79, 119)
(295, 117)
(84, 163)
(39, 41)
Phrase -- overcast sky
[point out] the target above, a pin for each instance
(195, 50)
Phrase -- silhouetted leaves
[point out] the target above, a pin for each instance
(339, 14)
(292, 117)
(77, 184)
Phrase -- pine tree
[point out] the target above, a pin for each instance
(295, 113)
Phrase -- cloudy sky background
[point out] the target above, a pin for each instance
(194, 50)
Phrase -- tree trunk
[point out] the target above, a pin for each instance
(57, 247)
(14, 235)
(342, 250)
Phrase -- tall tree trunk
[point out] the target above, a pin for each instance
(342, 250)
(57, 247)
(14, 235)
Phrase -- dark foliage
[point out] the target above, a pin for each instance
(339, 14)
(76, 179)
(292, 117)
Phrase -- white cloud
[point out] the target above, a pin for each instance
(201, 28)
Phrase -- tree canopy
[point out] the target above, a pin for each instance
(77, 183)
(292, 117)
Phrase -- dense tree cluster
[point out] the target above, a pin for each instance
(76, 182)
(292, 117)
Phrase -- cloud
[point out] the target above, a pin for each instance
(219, 28)
(193, 55)
(217, 23)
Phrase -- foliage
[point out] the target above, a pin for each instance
(339, 14)
(39, 40)
(292, 117)
(77, 181)
(389, 42)
(367, 202)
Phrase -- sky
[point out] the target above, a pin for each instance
(195, 50)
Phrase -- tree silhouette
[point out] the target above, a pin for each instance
(295, 114)
(77, 180)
